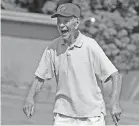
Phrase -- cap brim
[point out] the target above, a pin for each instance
(57, 14)
(54, 15)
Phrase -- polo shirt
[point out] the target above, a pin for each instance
(75, 68)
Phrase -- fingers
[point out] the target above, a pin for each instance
(24, 110)
(117, 116)
(32, 110)
(29, 110)
(115, 120)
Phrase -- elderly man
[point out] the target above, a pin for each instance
(75, 60)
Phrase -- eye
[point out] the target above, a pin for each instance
(66, 20)
(58, 21)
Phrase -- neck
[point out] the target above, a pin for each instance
(73, 38)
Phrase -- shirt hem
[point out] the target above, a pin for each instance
(38, 75)
(93, 114)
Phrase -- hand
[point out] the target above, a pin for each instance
(116, 112)
(28, 108)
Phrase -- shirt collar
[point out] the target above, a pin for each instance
(78, 43)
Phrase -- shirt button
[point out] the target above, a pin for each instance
(68, 54)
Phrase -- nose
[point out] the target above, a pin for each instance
(62, 25)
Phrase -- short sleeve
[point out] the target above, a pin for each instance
(103, 67)
(45, 68)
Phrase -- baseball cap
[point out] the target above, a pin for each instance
(67, 10)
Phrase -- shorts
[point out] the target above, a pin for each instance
(62, 120)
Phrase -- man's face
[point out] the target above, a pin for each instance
(66, 26)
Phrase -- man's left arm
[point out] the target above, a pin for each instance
(115, 96)
(105, 70)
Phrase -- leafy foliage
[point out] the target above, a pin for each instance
(113, 29)
(116, 27)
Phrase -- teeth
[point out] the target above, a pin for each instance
(64, 31)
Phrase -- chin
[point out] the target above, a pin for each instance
(65, 37)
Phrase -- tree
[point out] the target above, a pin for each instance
(116, 27)
(113, 28)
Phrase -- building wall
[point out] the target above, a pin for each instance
(24, 38)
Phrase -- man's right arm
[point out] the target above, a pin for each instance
(29, 102)
(35, 88)
(45, 71)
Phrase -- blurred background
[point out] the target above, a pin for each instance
(26, 30)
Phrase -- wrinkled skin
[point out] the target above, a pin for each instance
(68, 28)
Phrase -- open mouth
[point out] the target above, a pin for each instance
(64, 31)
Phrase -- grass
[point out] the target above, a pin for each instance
(13, 101)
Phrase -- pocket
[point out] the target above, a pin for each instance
(97, 120)
(92, 120)
(55, 116)
(62, 118)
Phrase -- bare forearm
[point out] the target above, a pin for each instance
(116, 86)
(115, 97)
(35, 88)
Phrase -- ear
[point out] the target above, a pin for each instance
(77, 23)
